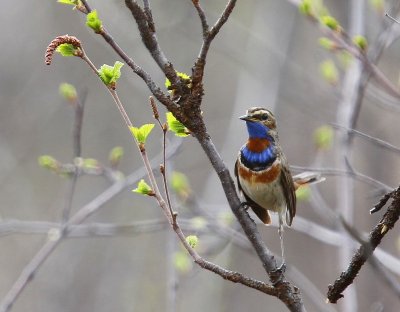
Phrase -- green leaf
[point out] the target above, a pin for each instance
(116, 155)
(93, 21)
(330, 22)
(323, 137)
(67, 49)
(141, 134)
(176, 126)
(68, 92)
(329, 71)
(198, 223)
(361, 42)
(48, 162)
(110, 74)
(192, 240)
(143, 188)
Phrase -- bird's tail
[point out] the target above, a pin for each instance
(307, 178)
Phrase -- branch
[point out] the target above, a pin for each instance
(365, 250)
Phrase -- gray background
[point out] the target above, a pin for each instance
(266, 55)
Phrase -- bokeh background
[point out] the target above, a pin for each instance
(266, 55)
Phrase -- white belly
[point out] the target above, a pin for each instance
(268, 195)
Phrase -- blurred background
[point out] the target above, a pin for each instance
(266, 55)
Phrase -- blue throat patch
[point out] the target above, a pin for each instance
(265, 157)
(258, 130)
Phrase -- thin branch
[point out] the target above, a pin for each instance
(370, 138)
(365, 251)
(33, 266)
(203, 18)
(149, 38)
(338, 172)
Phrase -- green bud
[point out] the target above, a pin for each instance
(361, 42)
(143, 188)
(116, 155)
(93, 21)
(176, 126)
(323, 137)
(68, 92)
(90, 163)
(48, 162)
(305, 7)
(329, 71)
(192, 240)
(141, 134)
(330, 22)
(327, 44)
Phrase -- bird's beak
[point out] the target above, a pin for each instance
(245, 118)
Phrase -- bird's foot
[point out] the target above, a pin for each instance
(245, 206)
(277, 275)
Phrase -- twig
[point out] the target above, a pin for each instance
(372, 139)
(202, 16)
(78, 106)
(363, 253)
(392, 18)
(338, 172)
(33, 266)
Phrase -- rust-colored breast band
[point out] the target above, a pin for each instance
(257, 145)
(265, 176)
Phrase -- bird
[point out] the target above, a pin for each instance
(263, 175)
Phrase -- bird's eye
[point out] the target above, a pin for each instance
(264, 116)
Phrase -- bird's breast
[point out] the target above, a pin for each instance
(263, 187)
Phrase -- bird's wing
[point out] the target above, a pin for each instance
(288, 192)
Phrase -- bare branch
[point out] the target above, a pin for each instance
(365, 251)
(203, 18)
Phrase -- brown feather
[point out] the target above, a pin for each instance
(289, 193)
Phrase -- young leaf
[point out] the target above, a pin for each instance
(110, 74)
(176, 126)
(182, 262)
(330, 22)
(192, 240)
(142, 133)
(305, 7)
(68, 92)
(116, 155)
(143, 188)
(93, 21)
(48, 162)
(327, 43)
(67, 49)
(361, 42)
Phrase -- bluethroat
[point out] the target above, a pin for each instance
(263, 174)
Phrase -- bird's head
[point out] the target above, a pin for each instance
(261, 123)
